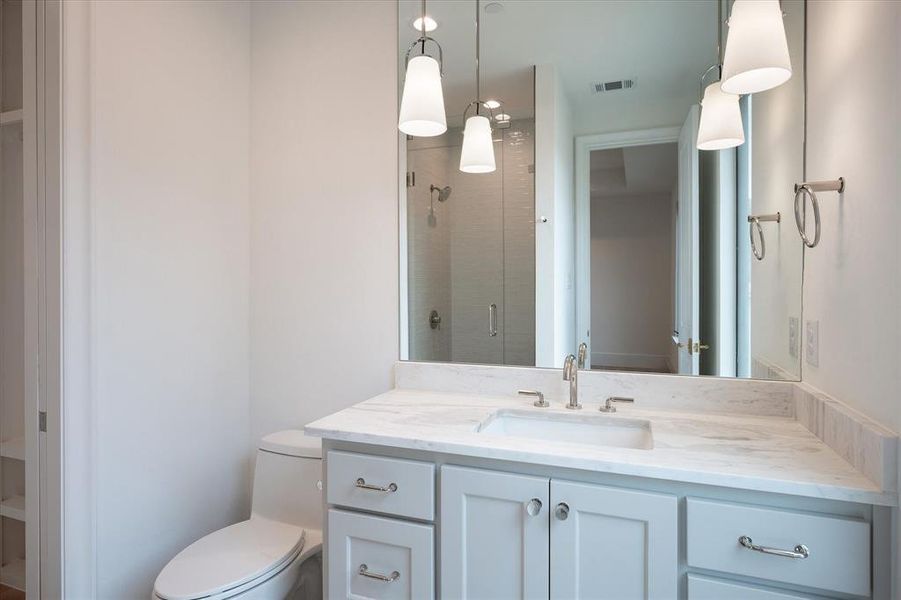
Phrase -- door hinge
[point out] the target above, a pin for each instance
(42, 421)
(411, 178)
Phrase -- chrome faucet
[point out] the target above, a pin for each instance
(571, 374)
(583, 354)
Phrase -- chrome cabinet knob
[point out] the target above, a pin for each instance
(562, 511)
(533, 507)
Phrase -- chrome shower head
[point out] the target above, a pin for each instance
(443, 193)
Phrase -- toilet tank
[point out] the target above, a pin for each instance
(287, 480)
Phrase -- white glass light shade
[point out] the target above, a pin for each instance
(756, 56)
(422, 103)
(477, 155)
(721, 125)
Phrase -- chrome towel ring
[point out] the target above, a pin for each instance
(754, 223)
(806, 190)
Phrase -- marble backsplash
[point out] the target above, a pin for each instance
(866, 445)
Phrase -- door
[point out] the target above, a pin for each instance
(494, 535)
(611, 543)
(687, 311)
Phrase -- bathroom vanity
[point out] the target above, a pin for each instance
(476, 495)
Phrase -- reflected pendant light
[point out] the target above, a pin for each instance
(477, 154)
(757, 56)
(720, 125)
(422, 103)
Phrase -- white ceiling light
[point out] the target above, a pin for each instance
(721, 125)
(757, 56)
(422, 103)
(477, 154)
(502, 117)
(492, 104)
(430, 24)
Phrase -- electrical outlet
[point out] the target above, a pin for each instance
(793, 337)
(812, 343)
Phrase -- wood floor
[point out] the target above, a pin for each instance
(8, 593)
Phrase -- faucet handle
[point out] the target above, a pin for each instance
(540, 403)
(608, 405)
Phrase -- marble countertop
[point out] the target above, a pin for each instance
(766, 453)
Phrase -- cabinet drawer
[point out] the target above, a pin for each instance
(702, 588)
(388, 485)
(839, 548)
(377, 557)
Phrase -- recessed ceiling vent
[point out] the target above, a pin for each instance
(612, 86)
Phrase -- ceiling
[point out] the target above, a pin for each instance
(634, 171)
(663, 45)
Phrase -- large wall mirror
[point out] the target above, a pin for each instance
(602, 222)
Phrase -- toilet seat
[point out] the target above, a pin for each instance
(239, 556)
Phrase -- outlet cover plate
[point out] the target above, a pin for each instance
(812, 343)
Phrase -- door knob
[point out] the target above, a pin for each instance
(533, 507)
(562, 511)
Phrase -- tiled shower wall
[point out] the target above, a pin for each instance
(474, 250)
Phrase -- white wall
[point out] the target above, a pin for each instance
(851, 280)
(169, 276)
(324, 208)
(555, 303)
(631, 265)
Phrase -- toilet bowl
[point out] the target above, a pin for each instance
(275, 554)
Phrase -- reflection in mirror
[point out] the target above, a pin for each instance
(604, 224)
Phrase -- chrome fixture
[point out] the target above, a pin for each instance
(583, 354)
(720, 126)
(477, 154)
(443, 192)
(540, 403)
(754, 222)
(808, 189)
(361, 483)
(801, 551)
(608, 405)
(422, 111)
(562, 511)
(571, 374)
(492, 320)
(533, 507)
(434, 320)
(365, 572)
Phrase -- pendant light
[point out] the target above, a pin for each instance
(477, 155)
(422, 103)
(720, 125)
(757, 56)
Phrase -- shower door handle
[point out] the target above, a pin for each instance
(492, 320)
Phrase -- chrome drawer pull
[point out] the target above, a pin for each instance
(365, 572)
(361, 483)
(800, 551)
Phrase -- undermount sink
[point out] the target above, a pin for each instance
(595, 430)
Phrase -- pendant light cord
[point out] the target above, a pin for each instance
(422, 23)
(478, 66)
(719, 35)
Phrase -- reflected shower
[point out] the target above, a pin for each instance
(443, 194)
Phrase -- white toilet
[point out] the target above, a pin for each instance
(275, 554)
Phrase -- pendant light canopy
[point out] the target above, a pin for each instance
(477, 154)
(422, 103)
(757, 56)
(720, 125)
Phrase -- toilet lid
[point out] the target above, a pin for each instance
(229, 558)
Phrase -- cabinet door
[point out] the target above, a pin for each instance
(375, 557)
(612, 543)
(494, 535)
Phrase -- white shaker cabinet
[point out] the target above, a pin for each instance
(519, 536)
(494, 535)
(613, 543)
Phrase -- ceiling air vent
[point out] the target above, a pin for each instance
(612, 86)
